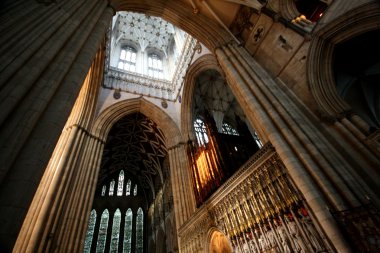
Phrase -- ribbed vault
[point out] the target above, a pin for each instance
(181, 15)
(136, 145)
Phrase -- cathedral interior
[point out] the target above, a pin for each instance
(192, 126)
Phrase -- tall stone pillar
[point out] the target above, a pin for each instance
(316, 167)
(57, 217)
(183, 194)
(45, 55)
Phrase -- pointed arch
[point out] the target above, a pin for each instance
(199, 26)
(127, 243)
(113, 113)
(90, 232)
(114, 244)
(140, 231)
(203, 63)
(362, 19)
(102, 236)
(128, 188)
(120, 183)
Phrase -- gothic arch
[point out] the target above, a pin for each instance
(362, 19)
(179, 14)
(288, 9)
(217, 242)
(118, 110)
(203, 63)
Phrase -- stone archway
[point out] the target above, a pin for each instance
(203, 63)
(113, 113)
(319, 66)
(219, 243)
(199, 26)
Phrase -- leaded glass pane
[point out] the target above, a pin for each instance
(127, 246)
(120, 184)
(114, 245)
(128, 188)
(127, 59)
(122, 54)
(102, 236)
(104, 188)
(227, 129)
(139, 231)
(200, 131)
(112, 188)
(135, 190)
(90, 232)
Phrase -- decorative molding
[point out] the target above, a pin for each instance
(136, 83)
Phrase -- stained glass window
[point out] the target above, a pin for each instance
(200, 131)
(135, 190)
(155, 66)
(128, 188)
(127, 245)
(120, 184)
(228, 129)
(104, 190)
(139, 231)
(114, 245)
(127, 60)
(102, 236)
(90, 232)
(112, 188)
(257, 140)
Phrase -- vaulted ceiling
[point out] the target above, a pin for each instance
(213, 94)
(137, 146)
(146, 31)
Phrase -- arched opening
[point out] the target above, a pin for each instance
(131, 173)
(356, 65)
(223, 138)
(219, 243)
(311, 9)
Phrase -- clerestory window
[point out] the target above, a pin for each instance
(155, 66)
(127, 60)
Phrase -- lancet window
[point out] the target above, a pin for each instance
(128, 188)
(127, 244)
(139, 231)
(90, 232)
(120, 183)
(120, 231)
(102, 236)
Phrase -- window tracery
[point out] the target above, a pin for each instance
(127, 59)
(135, 190)
(102, 236)
(139, 231)
(201, 132)
(127, 245)
(120, 184)
(104, 188)
(228, 129)
(115, 232)
(112, 188)
(128, 188)
(155, 66)
(90, 232)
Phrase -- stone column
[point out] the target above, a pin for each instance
(57, 217)
(46, 52)
(315, 166)
(183, 194)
